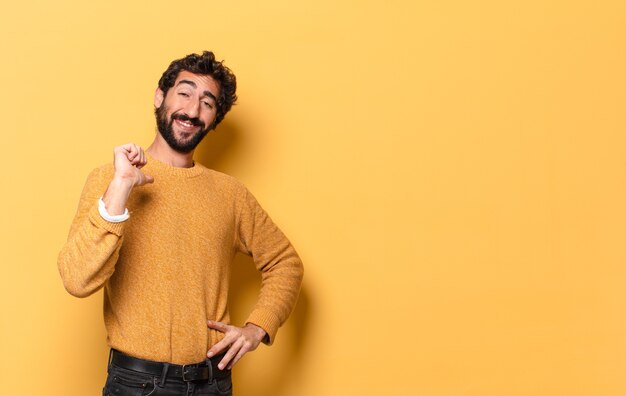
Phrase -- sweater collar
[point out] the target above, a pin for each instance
(162, 167)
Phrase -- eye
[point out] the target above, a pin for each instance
(185, 94)
(207, 104)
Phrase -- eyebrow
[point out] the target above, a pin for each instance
(193, 84)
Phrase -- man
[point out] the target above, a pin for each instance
(159, 231)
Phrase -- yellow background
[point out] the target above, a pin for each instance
(451, 172)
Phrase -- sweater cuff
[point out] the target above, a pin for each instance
(98, 221)
(267, 321)
(111, 218)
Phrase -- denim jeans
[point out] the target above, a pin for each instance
(124, 382)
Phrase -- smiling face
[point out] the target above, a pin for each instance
(186, 113)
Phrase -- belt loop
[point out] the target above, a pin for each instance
(166, 366)
(210, 365)
(109, 361)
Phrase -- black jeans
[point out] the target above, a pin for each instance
(124, 382)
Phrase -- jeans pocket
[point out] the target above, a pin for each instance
(122, 382)
(224, 385)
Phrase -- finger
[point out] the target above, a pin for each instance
(123, 149)
(137, 158)
(129, 147)
(239, 355)
(131, 151)
(141, 159)
(134, 157)
(219, 347)
(148, 179)
(232, 352)
(219, 326)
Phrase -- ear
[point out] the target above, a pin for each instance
(158, 98)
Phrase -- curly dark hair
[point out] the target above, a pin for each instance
(205, 64)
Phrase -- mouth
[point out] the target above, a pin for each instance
(186, 126)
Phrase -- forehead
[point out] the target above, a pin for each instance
(202, 82)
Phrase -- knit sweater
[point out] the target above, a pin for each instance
(166, 270)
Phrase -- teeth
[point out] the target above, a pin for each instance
(186, 123)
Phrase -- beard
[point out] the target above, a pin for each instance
(166, 130)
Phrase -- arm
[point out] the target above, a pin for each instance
(88, 258)
(280, 266)
(281, 276)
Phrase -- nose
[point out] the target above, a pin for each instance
(192, 109)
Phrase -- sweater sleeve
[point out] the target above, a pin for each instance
(274, 256)
(88, 258)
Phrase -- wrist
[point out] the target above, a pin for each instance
(259, 333)
(123, 181)
(116, 196)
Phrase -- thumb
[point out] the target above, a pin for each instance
(149, 179)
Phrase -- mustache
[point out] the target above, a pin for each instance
(183, 117)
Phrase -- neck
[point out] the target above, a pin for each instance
(160, 150)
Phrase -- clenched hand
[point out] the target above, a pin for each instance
(128, 160)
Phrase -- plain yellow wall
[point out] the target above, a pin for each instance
(451, 172)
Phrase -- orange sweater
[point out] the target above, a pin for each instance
(166, 270)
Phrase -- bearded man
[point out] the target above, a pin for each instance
(159, 232)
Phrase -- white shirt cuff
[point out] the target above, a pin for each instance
(113, 219)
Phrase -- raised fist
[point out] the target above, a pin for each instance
(128, 159)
